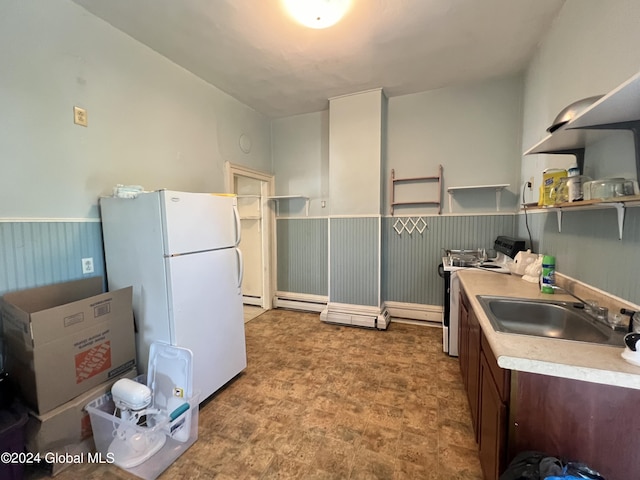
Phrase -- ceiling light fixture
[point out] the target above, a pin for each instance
(317, 13)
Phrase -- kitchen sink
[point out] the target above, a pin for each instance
(547, 318)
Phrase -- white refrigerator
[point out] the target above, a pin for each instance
(179, 252)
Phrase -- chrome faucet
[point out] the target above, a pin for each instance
(590, 311)
(584, 304)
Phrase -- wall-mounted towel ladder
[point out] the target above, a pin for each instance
(434, 178)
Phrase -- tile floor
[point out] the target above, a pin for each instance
(321, 401)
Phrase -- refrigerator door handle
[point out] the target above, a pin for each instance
(240, 267)
(236, 215)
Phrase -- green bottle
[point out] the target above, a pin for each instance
(548, 277)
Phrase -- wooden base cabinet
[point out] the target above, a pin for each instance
(463, 339)
(487, 388)
(493, 415)
(469, 357)
(512, 412)
(595, 424)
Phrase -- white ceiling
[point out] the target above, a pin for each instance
(251, 49)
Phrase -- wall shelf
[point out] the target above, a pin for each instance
(433, 178)
(620, 204)
(618, 110)
(277, 198)
(498, 189)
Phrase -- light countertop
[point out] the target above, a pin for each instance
(548, 356)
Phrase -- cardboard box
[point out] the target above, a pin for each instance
(65, 339)
(60, 429)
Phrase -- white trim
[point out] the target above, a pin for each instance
(531, 210)
(415, 311)
(300, 301)
(268, 225)
(303, 297)
(296, 305)
(377, 89)
(50, 220)
(416, 322)
(255, 301)
(234, 169)
(301, 218)
(469, 214)
(329, 258)
(380, 262)
(268, 229)
(355, 216)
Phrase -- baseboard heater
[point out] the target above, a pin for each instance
(356, 315)
(300, 301)
(431, 314)
(252, 300)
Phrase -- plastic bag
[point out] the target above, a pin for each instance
(525, 466)
(532, 465)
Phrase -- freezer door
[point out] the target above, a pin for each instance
(194, 222)
(206, 311)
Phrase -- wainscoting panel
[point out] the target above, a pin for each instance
(33, 254)
(302, 255)
(588, 248)
(410, 261)
(354, 264)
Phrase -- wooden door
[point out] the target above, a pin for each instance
(492, 424)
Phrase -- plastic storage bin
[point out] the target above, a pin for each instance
(12, 426)
(105, 425)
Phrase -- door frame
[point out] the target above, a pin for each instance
(267, 224)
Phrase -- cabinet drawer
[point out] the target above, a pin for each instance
(501, 377)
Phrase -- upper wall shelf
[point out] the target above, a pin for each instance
(433, 178)
(277, 198)
(620, 204)
(618, 110)
(498, 188)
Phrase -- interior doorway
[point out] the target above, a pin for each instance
(256, 218)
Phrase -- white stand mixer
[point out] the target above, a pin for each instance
(130, 446)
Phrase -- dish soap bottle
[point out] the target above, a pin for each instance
(548, 275)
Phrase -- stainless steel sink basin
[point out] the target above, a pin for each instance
(547, 318)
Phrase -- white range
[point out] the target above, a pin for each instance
(457, 260)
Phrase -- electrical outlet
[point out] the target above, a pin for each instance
(531, 183)
(87, 265)
(80, 116)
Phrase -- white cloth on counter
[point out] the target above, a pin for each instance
(127, 191)
(522, 261)
(533, 271)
